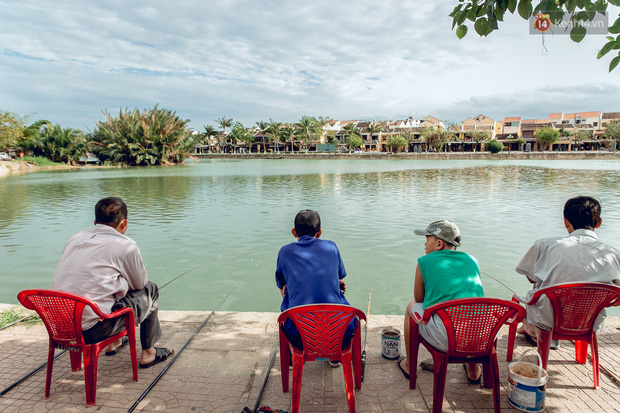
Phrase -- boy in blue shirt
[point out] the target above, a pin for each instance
(310, 271)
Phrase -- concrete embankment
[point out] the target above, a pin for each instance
(577, 155)
(224, 367)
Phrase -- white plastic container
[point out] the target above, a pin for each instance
(527, 393)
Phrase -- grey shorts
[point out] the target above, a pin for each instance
(434, 332)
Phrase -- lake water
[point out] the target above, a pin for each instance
(230, 218)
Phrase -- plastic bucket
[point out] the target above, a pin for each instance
(527, 392)
(390, 343)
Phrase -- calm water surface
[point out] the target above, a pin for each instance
(231, 217)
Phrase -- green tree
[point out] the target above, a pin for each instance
(261, 129)
(486, 15)
(352, 132)
(546, 137)
(288, 134)
(208, 134)
(374, 128)
(494, 146)
(396, 143)
(224, 123)
(152, 137)
(612, 130)
(307, 131)
(273, 129)
(241, 134)
(11, 129)
(435, 138)
(580, 136)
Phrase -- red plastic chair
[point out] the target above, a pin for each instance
(61, 313)
(322, 328)
(472, 325)
(577, 305)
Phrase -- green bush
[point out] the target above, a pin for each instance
(38, 161)
(494, 146)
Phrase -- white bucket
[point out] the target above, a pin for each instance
(390, 343)
(527, 393)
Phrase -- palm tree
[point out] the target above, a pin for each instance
(351, 132)
(262, 127)
(273, 129)
(307, 129)
(209, 133)
(241, 133)
(288, 132)
(372, 129)
(224, 123)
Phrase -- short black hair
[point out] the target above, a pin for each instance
(307, 222)
(583, 212)
(110, 211)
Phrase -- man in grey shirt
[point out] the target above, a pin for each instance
(579, 257)
(105, 266)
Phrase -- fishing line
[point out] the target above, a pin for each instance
(366, 335)
(131, 409)
(64, 351)
(262, 389)
(489, 275)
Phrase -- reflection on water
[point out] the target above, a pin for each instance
(230, 218)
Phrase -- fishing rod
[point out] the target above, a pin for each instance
(489, 275)
(176, 278)
(131, 409)
(262, 389)
(64, 351)
(29, 374)
(366, 335)
(17, 321)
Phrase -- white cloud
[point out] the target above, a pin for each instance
(249, 60)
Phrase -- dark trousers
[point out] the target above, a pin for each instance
(145, 308)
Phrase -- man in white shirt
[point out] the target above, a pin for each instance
(105, 266)
(579, 257)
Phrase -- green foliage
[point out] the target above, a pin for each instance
(580, 136)
(396, 143)
(612, 130)
(546, 136)
(57, 144)
(494, 146)
(287, 134)
(354, 136)
(15, 314)
(307, 130)
(11, 129)
(486, 14)
(241, 134)
(435, 138)
(153, 137)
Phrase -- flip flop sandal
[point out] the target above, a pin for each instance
(125, 341)
(405, 373)
(161, 354)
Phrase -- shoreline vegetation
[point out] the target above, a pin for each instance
(26, 166)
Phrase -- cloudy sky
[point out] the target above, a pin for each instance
(251, 60)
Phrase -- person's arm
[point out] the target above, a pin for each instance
(418, 286)
(283, 290)
(134, 271)
(526, 265)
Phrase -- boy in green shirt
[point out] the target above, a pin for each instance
(442, 274)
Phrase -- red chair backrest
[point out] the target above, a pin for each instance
(60, 311)
(472, 324)
(322, 327)
(576, 305)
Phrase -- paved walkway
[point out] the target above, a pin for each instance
(222, 370)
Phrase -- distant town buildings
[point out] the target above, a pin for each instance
(578, 131)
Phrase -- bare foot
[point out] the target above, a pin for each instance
(473, 371)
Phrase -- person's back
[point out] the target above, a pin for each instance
(578, 257)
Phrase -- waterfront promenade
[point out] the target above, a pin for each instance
(223, 368)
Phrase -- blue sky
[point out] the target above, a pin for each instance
(66, 61)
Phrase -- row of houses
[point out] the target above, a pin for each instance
(514, 133)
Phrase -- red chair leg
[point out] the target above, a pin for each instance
(595, 364)
(50, 366)
(90, 375)
(581, 351)
(439, 381)
(414, 346)
(544, 342)
(494, 379)
(487, 375)
(76, 360)
(285, 352)
(348, 381)
(298, 371)
(512, 334)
